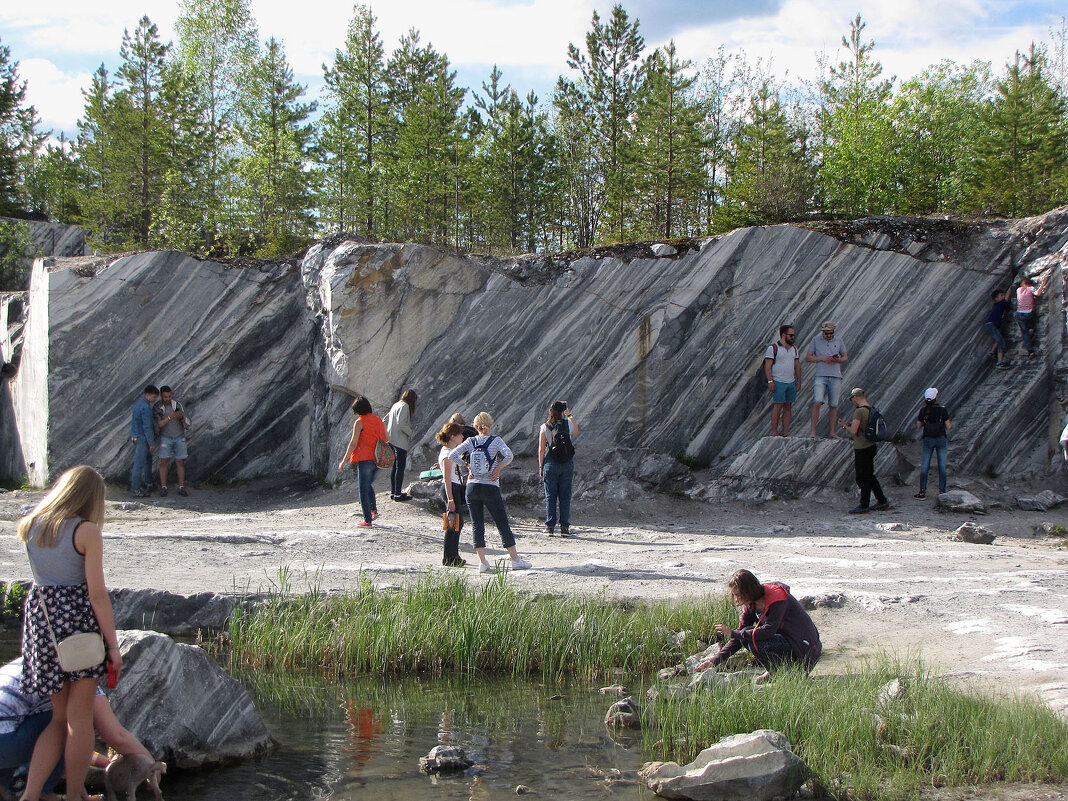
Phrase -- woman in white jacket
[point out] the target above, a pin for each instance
(399, 428)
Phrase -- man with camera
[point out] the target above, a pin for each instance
(828, 353)
(173, 425)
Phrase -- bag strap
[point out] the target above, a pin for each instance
(40, 596)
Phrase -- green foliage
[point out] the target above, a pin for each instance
(17, 252)
(935, 735)
(447, 625)
(20, 137)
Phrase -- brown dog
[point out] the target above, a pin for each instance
(126, 772)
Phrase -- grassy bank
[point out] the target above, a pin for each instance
(444, 625)
(935, 735)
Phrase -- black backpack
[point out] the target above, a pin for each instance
(934, 421)
(561, 449)
(876, 430)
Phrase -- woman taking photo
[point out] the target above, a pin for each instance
(452, 491)
(367, 430)
(399, 428)
(66, 551)
(489, 455)
(556, 464)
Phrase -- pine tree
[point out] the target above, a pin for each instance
(859, 170)
(101, 191)
(353, 127)
(277, 136)
(1022, 157)
(20, 136)
(770, 175)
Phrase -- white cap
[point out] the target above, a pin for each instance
(930, 393)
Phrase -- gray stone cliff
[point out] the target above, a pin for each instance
(656, 354)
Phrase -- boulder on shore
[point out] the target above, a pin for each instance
(185, 709)
(960, 501)
(743, 767)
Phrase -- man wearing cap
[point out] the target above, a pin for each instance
(934, 423)
(864, 456)
(782, 367)
(828, 353)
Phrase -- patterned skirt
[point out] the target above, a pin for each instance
(70, 612)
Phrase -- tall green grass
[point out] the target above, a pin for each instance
(445, 624)
(937, 735)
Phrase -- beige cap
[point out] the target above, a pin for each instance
(856, 391)
(827, 325)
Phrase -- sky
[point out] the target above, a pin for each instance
(60, 43)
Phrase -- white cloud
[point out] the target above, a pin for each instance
(57, 95)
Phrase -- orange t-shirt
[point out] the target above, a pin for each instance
(373, 430)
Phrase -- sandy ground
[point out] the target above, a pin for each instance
(994, 614)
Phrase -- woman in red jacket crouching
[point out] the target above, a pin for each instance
(774, 627)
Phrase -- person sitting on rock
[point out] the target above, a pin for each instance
(774, 627)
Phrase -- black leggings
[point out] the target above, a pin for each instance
(396, 475)
(452, 538)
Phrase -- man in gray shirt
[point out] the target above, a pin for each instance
(828, 353)
(173, 424)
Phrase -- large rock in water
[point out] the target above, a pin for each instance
(656, 354)
(742, 767)
(182, 706)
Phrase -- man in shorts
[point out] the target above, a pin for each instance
(172, 424)
(828, 353)
(782, 366)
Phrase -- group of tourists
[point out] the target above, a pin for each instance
(50, 697)
(159, 426)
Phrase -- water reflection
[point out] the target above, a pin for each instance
(363, 739)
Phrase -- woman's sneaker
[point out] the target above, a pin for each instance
(920, 496)
(485, 567)
(521, 564)
(364, 524)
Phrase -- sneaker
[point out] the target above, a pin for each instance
(1002, 365)
(1031, 356)
(163, 491)
(404, 496)
(182, 492)
(859, 510)
(565, 531)
(920, 496)
(454, 562)
(521, 564)
(374, 514)
(550, 531)
(485, 567)
(882, 507)
(140, 493)
(363, 524)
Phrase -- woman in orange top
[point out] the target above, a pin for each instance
(367, 430)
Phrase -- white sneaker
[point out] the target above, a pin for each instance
(485, 567)
(521, 564)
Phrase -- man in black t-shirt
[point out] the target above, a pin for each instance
(934, 423)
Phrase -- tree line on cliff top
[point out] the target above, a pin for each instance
(209, 145)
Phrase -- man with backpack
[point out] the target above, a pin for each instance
(867, 428)
(935, 424)
(782, 366)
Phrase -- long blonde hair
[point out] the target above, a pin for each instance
(79, 492)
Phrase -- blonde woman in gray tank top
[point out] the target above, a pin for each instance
(65, 548)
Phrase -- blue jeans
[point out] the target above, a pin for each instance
(557, 479)
(16, 748)
(1024, 320)
(483, 497)
(142, 465)
(995, 333)
(396, 475)
(941, 445)
(366, 471)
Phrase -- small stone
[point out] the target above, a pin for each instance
(827, 600)
(670, 672)
(522, 789)
(1042, 502)
(893, 690)
(445, 759)
(613, 689)
(624, 714)
(960, 501)
(973, 533)
(663, 249)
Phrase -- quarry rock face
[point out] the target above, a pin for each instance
(656, 354)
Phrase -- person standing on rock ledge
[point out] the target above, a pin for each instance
(992, 326)
(864, 451)
(828, 353)
(143, 436)
(782, 366)
(774, 627)
(1025, 310)
(399, 428)
(173, 424)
